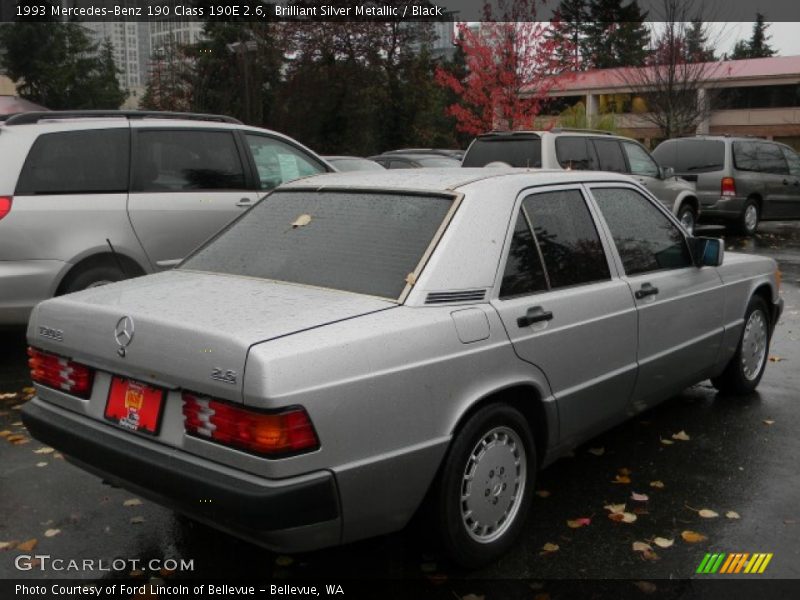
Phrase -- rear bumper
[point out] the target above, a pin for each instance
(724, 208)
(254, 508)
(23, 284)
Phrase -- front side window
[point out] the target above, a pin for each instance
(639, 160)
(645, 238)
(792, 160)
(575, 153)
(77, 162)
(771, 160)
(366, 243)
(610, 155)
(186, 160)
(277, 162)
(567, 238)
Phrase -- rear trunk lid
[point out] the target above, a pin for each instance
(187, 329)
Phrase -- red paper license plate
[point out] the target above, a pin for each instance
(134, 405)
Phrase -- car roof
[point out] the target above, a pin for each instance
(444, 179)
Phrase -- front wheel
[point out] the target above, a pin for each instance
(745, 369)
(485, 488)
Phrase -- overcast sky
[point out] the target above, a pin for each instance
(785, 36)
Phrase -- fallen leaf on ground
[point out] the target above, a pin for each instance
(789, 521)
(543, 493)
(8, 396)
(681, 435)
(285, 561)
(774, 358)
(14, 438)
(615, 508)
(578, 523)
(641, 547)
(44, 450)
(137, 520)
(17, 407)
(549, 548)
(28, 545)
(769, 422)
(473, 597)
(29, 390)
(731, 514)
(666, 442)
(301, 221)
(623, 517)
(624, 471)
(646, 587)
(52, 532)
(692, 537)
(663, 542)
(41, 464)
(132, 502)
(621, 479)
(707, 513)
(640, 510)
(650, 555)
(597, 451)
(165, 572)
(639, 497)
(6, 545)
(136, 573)
(657, 484)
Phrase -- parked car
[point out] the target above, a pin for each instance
(415, 161)
(457, 154)
(92, 197)
(359, 342)
(353, 163)
(740, 180)
(583, 149)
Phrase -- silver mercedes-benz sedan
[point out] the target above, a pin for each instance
(358, 343)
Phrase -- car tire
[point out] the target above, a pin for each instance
(744, 371)
(749, 219)
(482, 496)
(688, 218)
(92, 277)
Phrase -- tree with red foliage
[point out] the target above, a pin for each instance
(511, 62)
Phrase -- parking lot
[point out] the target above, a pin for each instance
(700, 451)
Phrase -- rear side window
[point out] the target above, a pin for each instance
(792, 160)
(567, 238)
(524, 273)
(575, 153)
(278, 162)
(645, 238)
(522, 151)
(610, 156)
(366, 243)
(77, 162)
(185, 160)
(745, 156)
(771, 160)
(691, 156)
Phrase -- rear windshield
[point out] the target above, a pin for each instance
(438, 161)
(525, 152)
(366, 243)
(691, 156)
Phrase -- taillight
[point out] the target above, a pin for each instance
(728, 186)
(274, 434)
(5, 206)
(60, 373)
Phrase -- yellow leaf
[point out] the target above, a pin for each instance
(707, 513)
(597, 451)
(44, 450)
(681, 435)
(615, 508)
(768, 422)
(301, 221)
(29, 390)
(136, 520)
(773, 358)
(663, 542)
(28, 545)
(5, 433)
(641, 547)
(52, 532)
(411, 279)
(284, 561)
(8, 396)
(14, 438)
(621, 479)
(548, 547)
(625, 471)
(646, 587)
(542, 493)
(667, 442)
(132, 502)
(657, 484)
(6, 545)
(692, 537)
(733, 515)
(639, 497)
(41, 464)
(623, 517)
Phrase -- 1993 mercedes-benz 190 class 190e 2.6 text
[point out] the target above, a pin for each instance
(357, 344)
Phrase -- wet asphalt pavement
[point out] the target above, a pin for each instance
(742, 456)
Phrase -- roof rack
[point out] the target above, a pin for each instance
(581, 130)
(28, 118)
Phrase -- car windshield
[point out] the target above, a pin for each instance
(438, 161)
(516, 151)
(362, 242)
(691, 156)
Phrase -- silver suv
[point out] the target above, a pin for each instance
(587, 150)
(740, 180)
(87, 198)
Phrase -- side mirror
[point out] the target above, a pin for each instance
(707, 252)
(667, 172)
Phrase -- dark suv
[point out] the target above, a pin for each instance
(740, 180)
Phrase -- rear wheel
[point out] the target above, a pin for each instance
(688, 218)
(487, 478)
(92, 277)
(745, 369)
(750, 217)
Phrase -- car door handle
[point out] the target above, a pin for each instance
(244, 202)
(534, 314)
(645, 291)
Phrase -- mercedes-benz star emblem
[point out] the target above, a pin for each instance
(123, 333)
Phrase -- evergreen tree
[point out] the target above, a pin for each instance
(697, 49)
(616, 35)
(569, 26)
(758, 44)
